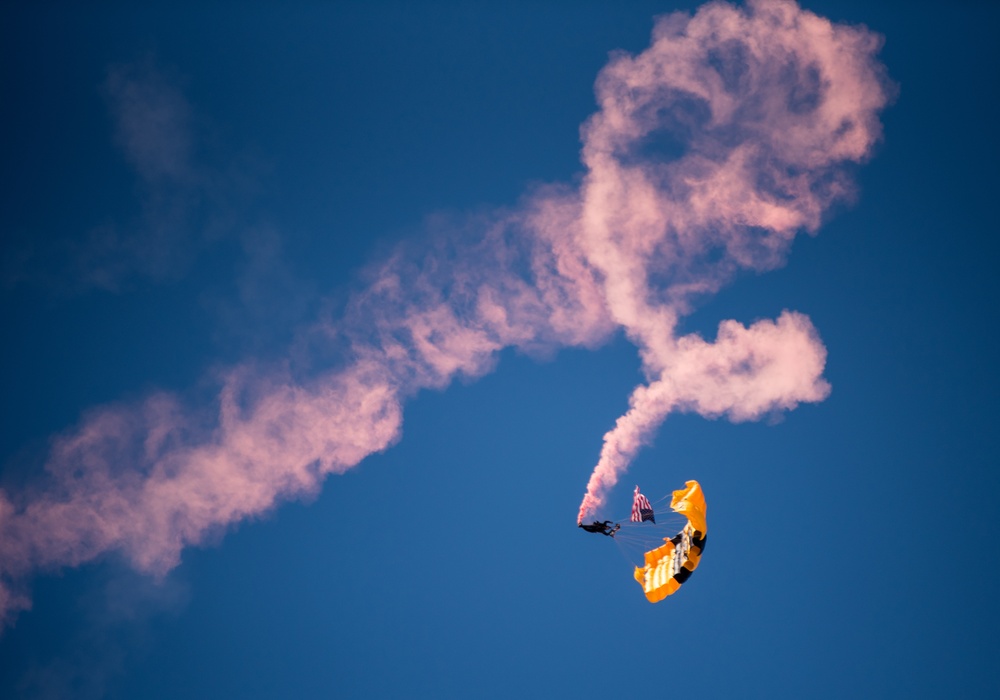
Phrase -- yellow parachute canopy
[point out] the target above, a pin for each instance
(670, 565)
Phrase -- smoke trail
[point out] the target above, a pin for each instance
(709, 151)
(765, 103)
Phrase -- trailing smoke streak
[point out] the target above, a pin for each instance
(763, 104)
(766, 102)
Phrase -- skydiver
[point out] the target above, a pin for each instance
(603, 528)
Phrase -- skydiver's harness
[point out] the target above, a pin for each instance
(602, 528)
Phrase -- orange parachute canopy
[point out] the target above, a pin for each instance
(670, 565)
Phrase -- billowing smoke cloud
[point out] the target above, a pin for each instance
(710, 150)
(763, 106)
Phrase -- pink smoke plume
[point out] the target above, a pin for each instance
(710, 150)
(766, 102)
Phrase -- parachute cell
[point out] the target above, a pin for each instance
(668, 566)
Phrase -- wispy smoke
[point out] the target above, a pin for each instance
(186, 203)
(710, 150)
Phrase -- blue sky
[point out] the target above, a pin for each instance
(196, 191)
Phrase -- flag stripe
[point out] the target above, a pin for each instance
(641, 509)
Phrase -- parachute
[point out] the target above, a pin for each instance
(668, 566)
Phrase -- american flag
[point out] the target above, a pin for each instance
(641, 510)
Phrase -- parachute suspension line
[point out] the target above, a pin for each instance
(662, 505)
(662, 500)
(620, 546)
